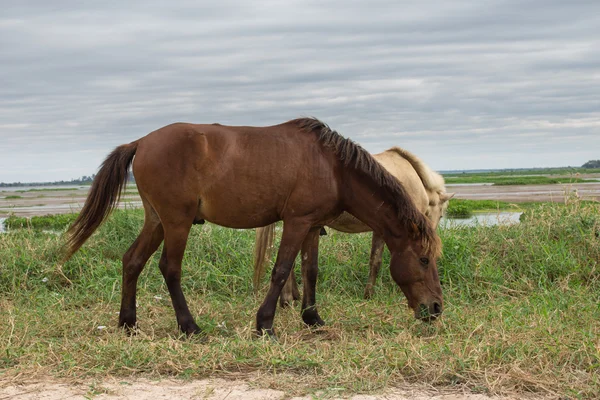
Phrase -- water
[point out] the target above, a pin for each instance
(483, 219)
(2, 228)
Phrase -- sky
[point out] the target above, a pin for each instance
(462, 84)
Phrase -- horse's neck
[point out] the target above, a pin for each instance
(364, 199)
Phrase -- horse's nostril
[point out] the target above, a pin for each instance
(437, 308)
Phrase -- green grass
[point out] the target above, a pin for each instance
(12, 197)
(521, 311)
(57, 222)
(461, 208)
(458, 211)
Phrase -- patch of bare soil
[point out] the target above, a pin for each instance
(210, 389)
(47, 201)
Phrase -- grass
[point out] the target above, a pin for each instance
(458, 211)
(460, 208)
(56, 222)
(13, 197)
(521, 311)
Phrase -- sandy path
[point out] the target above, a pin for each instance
(211, 389)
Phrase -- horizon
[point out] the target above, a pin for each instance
(443, 172)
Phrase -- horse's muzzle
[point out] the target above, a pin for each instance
(429, 314)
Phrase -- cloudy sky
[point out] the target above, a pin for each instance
(464, 84)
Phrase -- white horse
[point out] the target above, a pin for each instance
(427, 191)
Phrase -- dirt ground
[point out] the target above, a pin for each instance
(210, 389)
(24, 202)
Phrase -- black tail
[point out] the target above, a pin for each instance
(103, 196)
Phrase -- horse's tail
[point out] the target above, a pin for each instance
(263, 248)
(102, 198)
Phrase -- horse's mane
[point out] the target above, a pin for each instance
(354, 156)
(431, 179)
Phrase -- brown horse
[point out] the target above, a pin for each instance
(300, 172)
(426, 188)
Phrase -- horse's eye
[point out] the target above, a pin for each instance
(424, 260)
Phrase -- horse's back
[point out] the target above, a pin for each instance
(236, 176)
(404, 171)
(432, 182)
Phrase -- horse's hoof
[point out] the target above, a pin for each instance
(312, 319)
(191, 329)
(315, 323)
(268, 334)
(130, 328)
(127, 320)
(368, 293)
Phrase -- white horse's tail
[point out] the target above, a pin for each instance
(263, 249)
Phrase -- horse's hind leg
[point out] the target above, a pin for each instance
(290, 291)
(377, 245)
(310, 272)
(176, 236)
(134, 261)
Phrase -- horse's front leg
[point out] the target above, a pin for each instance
(377, 245)
(310, 272)
(291, 240)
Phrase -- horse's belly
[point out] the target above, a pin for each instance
(235, 213)
(348, 223)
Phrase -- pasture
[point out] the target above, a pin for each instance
(521, 311)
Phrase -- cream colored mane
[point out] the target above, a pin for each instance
(431, 179)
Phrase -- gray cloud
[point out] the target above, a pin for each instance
(496, 84)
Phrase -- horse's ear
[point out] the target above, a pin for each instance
(444, 197)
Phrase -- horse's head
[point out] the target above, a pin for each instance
(414, 269)
(438, 203)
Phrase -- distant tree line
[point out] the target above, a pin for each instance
(591, 164)
(84, 180)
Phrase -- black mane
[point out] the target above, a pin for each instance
(354, 156)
